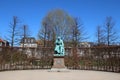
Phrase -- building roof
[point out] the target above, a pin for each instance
(28, 40)
(1, 40)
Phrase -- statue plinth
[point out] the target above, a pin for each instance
(58, 62)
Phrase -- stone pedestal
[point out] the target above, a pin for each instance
(58, 64)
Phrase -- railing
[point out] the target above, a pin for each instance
(94, 58)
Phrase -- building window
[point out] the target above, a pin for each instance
(28, 40)
(25, 40)
(31, 40)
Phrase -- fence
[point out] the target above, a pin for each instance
(94, 58)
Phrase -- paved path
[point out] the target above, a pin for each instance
(46, 75)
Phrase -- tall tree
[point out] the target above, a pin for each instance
(100, 34)
(44, 34)
(56, 23)
(77, 31)
(24, 33)
(13, 31)
(110, 32)
(13, 35)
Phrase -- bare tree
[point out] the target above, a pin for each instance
(77, 31)
(13, 31)
(13, 35)
(44, 34)
(110, 32)
(100, 34)
(25, 32)
(56, 23)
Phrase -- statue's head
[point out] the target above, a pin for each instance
(58, 38)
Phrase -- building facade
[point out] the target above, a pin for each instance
(86, 44)
(28, 42)
(4, 43)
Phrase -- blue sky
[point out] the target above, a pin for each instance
(31, 12)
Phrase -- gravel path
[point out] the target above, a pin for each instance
(46, 75)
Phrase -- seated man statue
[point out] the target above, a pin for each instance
(59, 47)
